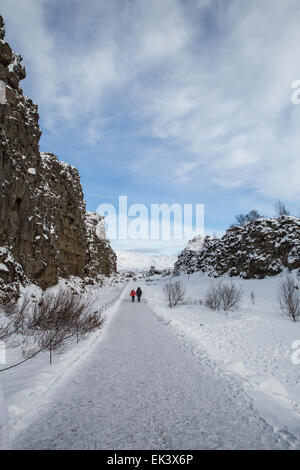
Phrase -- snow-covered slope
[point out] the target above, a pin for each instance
(26, 388)
(255, 344)
(183, 403)
(136, 262)
(3, 423)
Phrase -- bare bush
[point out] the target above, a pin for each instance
(174, 292)
(213, 297)
(15, 320)
(88, 322)
(48, 323)
(288, 298)
(231, 296)
(59, 317)
(223, 296)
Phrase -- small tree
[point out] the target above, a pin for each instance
(174, 292)
(242, 219)
(281, 209)
(253, 215)
(153, 270)
(288, 298)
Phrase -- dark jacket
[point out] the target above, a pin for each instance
(139, 292)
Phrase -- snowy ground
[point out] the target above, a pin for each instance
(139, 389)
(27, 387)
(253, 344)
(161, 378)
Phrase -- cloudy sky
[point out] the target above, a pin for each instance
(175, 101)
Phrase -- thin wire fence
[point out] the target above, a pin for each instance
(110, 303)
(102, 309)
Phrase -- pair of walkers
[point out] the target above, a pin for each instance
(137, 293)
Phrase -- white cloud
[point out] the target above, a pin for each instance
(209, 79)
(236, 122)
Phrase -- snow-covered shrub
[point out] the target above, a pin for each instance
(221, 296)
(61, 316)
(153, 270)
(174, 292)
(46, 324)
(288, 298)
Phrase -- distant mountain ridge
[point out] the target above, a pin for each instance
(138, 262)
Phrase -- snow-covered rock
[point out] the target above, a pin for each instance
(100, 258)
(261, 248)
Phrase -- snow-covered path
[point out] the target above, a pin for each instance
(139, 389)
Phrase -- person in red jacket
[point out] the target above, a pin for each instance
(133, 294)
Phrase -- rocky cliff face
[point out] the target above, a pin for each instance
(259, 249)
(44, 233)
(100, 258)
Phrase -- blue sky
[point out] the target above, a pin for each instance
(167, 101)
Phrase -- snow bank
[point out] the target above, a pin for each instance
(255, 343)
(27, 387)
(3, 423)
